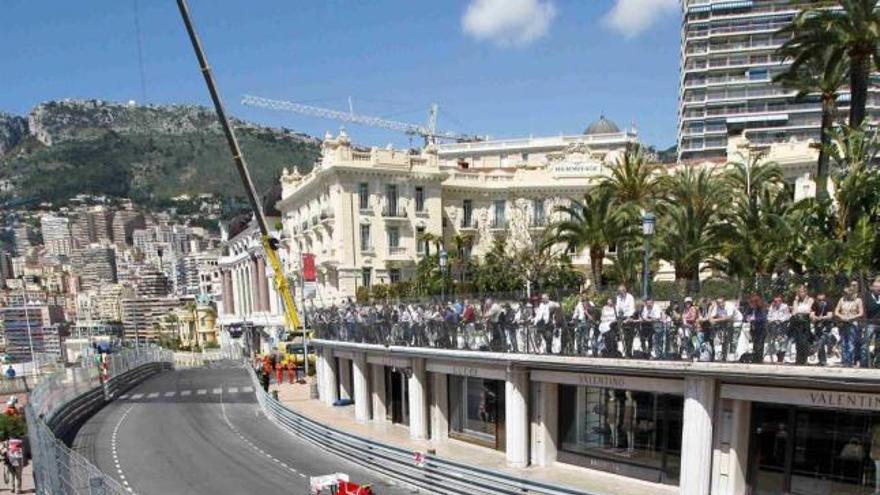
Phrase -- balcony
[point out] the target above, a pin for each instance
(468, 224)
(499, 224)
(538, 222)
(396, 251)
(394, 213)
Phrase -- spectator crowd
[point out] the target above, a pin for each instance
(810, 328)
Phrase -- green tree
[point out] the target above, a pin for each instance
(755, 231)
(850, 29)
(596, 223)
(822, 73)
(690, 220)
(632, 179)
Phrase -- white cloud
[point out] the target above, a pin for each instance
(632, 17)
(508, 22)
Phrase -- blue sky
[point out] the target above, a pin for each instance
(506, 68)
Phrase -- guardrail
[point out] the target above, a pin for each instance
(59, 404)
(431, 473)
(198, 359)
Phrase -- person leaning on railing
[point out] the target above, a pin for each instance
(778, 316)
(756, 316)
(625, 326)
(849, 311)
(871, 333)
(799, 328)
(581, 321)
(651, 330)
(721, 326)
(821, 315)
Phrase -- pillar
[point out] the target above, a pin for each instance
(516, 394)
(361, 388)
(330, 391)
(731, 456)
(252, 287)
(319, 373)
(262, 285)
(345, 385)
(439, 406)
(418, 410)
(380, 408)
(545, 423)
(696, 439)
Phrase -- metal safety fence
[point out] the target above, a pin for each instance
(421, 470)
(199, 359)
(62, 401)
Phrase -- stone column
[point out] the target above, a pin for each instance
(263, 285)
(361, 388)
(345, 388)
(380, 409)
(731, 456)
(545, 423)
(418, 410)
(319, 373)
(253, 294)
(516, 397)
(696, 439)
(439, 406)
(330, 389)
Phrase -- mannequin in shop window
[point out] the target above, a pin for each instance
(875, 456)
(630, 415)
(613, 417)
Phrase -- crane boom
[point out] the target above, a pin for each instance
(270, 245)
(428, 132)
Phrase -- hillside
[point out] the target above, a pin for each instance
(145, 152)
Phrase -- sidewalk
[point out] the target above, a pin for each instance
(296, 397)
(27, 482)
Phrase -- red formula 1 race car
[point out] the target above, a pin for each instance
(337, 484)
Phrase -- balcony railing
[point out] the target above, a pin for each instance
(393, 212)
(468, 223)
(396, 250)
(499, 224)
(795, 341)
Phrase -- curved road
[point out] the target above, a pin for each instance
(201, 431)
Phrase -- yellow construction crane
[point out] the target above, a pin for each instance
(270, 244)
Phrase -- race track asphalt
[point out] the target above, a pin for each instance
(201, 431)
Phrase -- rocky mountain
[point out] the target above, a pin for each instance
(63, 148)
(12, 130)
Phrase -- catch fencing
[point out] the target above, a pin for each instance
(423, 471)
(199, 359)
(62, 401)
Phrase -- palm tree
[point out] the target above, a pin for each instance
(755, 231)
(691, 215)
(854, 153)
(851, 31)
(429, 238)
(632, 179)
(824, 73)
(597, 223)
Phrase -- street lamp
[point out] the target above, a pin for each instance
(444, 259)
(648, 223)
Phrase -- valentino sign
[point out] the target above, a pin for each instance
(802, 397)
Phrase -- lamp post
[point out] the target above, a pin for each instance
(648, 223)
(443, 256)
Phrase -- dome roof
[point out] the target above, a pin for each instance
(602, 126)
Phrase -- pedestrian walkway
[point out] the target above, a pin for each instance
(296, 397)
(27, 482)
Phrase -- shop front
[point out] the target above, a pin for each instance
(476, 403)
(626, 425)
(811, 442)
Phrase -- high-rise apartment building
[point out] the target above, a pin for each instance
(56, 234)
(728, 61)
(98, 267)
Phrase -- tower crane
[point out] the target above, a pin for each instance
(428, 131)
